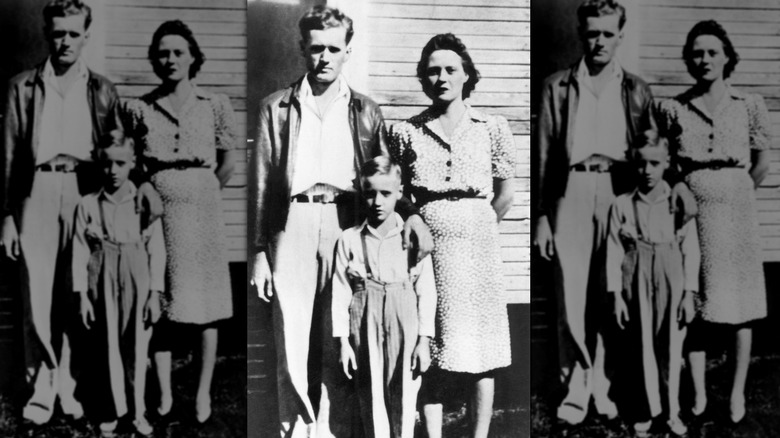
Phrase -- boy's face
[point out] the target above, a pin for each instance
(116, 162)
(380, 193)
(651, 163)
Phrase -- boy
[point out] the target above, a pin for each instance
(384, 308)
(652, 274)
(118, 272)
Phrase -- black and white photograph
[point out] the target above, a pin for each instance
(389, 242)
(655, 207)
(124, 218)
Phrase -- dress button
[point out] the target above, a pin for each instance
(449, 162)
(176, 149)
(712, 136)
(176, 136)
(447, 178)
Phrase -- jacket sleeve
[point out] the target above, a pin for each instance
(11, 141)
(260, 163)
(544, 141)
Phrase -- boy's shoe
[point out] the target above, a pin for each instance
(676, 426)
(642, 429)
(108, 429)
(142, 426)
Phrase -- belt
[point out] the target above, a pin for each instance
(599, 167)
(325, 198)
(63, 167)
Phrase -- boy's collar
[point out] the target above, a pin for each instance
(103, 194)
(399, 227)
(666, 191)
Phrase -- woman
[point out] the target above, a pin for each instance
(186, 138)
(720, 138)
(458, 163)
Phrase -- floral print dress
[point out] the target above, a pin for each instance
(472, 326)
(197, 276)
(716, 148)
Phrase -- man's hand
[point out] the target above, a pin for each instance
(10, 238)
(148, 203)
(683, 200)
(421, 356)
(347, 357)
(686, 311)
(621, 310)
(261, 277)
(415, 225)
(87, 312)
(152, 308)
(543, 238)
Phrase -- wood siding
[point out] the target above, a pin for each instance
(497, 34)
(220, 29)
(752, 26)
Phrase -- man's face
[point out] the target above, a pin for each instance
(601, 37)
(326, 51)
(67, 37)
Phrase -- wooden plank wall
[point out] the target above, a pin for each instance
(220, 29)
(754, 28)
(497, 34)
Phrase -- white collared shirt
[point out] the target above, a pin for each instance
(600, 122)
(66, 122)
(326, 151)
(389, 263)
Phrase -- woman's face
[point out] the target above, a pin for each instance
(708, 58)
(446, 76)
(174, 58)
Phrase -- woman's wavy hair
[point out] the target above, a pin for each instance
(447, 41)
(710, 27)
(176, 27)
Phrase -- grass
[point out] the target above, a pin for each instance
(228, 418)
(762, 403)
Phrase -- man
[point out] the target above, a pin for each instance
(312, 138)
(590, 115)
(54, 115)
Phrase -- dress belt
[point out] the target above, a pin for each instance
(425, 196)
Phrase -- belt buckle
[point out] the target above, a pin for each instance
(326, 198)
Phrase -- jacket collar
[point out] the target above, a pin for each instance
(38, 75)
(293, 93)
(570, 76)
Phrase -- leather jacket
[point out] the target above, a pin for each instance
(23, 109)
(559, 101)
(273, 157)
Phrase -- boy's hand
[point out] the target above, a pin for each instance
(621, 310)
(421, 357)
(152, 308)
(415, 225)
(347, 357)
(687, 310)
(87, 312)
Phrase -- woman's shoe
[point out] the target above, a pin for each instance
(203, 410)
(107, 429)
(737, 410)
(676, 426)
(142, 426)
(165, 406)
(642, 429)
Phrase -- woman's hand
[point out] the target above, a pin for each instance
(543, 238)
(10, 238)
(760, 166)
(421, 356)
(148, 203)
(414, 225)
(503, 196)
(152, 308)
(347, 357)
(683, 197)
(261, 277)
(226, 165)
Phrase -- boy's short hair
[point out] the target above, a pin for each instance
(600, 8)
(66, 8)
(649, 139)
(322, 17)
(381, 165)
(115, 138)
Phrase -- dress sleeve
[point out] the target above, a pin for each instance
(225, 123)
(760, 127)
(503, 151)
